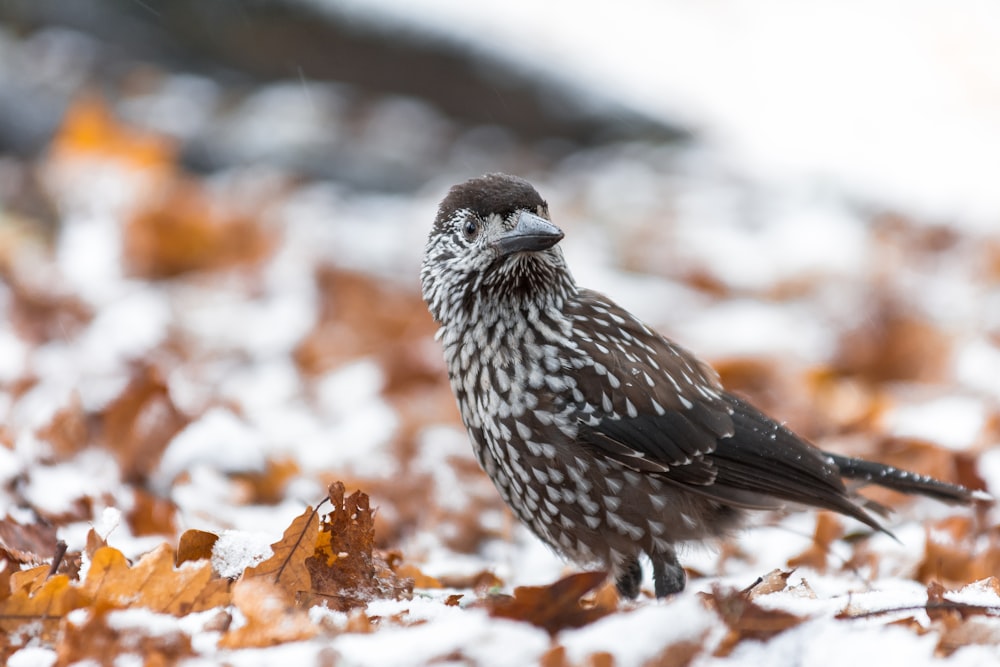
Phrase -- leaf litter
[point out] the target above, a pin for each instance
(439, 543)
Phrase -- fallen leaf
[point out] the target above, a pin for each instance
(68, 431)
(557, 606)
(138, 425)
(90, 129)
(746, 619)
(955, 553)
(482, 582)
(27, 543)
(271, 617)
(892, 344)
(195, 545)
(420, 580)
(346, 571)
(96, 641)
(957, 622)
(184, 227)
(829, 529)
(286, 568)
(361, 316)
(45, 604)
(267, 487)
(772, 582)
(678, 654)
(151, 514)
(153, 582)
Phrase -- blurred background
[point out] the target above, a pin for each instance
(212, 217)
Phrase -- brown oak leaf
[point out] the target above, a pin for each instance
(557, 606)
(828, 530)
(153, 582)
(746, 619)
(271, 618)
(346, 570)
(287, 565)
(195, 545)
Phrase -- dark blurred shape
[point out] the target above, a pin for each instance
(248, 43)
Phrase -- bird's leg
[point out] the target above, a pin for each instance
(629, 577)
(668, 575)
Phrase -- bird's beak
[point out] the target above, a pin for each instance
(531, 234)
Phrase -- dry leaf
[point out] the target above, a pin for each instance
(44, 604)
(31, 543)
(286, 568)
(195, 545)
(96, 642)
(267, 487)
(772, 582)
(153, 583)
(271, 617)
(679, 654)
(138, 425)
(184, 227)
(482, 582)
(89, 129)
(557, 606)
(829, 529)
(151, 515)
(67, 432)
(420, 580)
(361, 316)
(955, 554)
(893, 344)
(346, 571)
(746, 619)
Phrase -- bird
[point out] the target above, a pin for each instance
(610, 442)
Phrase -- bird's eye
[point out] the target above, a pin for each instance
(470, 229)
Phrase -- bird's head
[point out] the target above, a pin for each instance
(491, 241)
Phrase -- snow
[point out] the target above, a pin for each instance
(55, 488)
(648, 629)
(235, 551)
(823, 643)
(956, 422)
(218, 438)
(33, 656)
(468, 631)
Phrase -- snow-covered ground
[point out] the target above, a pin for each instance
(832, 242)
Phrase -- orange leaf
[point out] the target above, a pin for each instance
(828, 530)
(90, 129)
(153, 582)
(152, 515)
(746, 619)
(185, 227)
(772, 582)
(270, 618)
(46, 604)
(345, 570)
(557, 606)
(196, 545)
(139, 424)
(95, 641)
(287, 566)
(420, 580)
(27, 543)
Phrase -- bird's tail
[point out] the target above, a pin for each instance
(905, 481)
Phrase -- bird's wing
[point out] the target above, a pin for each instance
(644, 401)
(661, 411)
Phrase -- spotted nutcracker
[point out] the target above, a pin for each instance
(606, 439)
